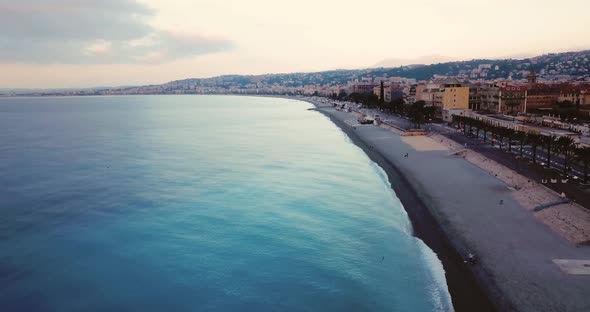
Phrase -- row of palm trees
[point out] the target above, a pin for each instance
(563, 145)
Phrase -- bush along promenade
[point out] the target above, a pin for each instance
(566, 153)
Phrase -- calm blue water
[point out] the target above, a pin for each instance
(199, 203)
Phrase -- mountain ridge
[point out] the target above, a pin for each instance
(546, 65)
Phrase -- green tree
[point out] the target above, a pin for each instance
(456, 120)
(495, 136)
(372, 100)
(582, 154)
(356, 97)
(341, 95)
(566, 146)
(521, 137)
(464, 120)
(429, 112)
(486, 128)
(397, 106)
(478, 126)
(548, 142)
(416, 113)
(535, 140)
(509, 134)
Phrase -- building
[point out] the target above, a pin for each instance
(575, 94)
(474, 97)
(410, 94)
(391, 92)
(540, 95)
(532, 80)
(426, 92)
(419, 92)
(452, 99)
(512, 99)
(362, 87)
(448, 96)
(502, 99)
(489, 99)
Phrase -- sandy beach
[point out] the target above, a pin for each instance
(457, 207)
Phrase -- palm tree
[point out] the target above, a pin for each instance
(500, 132)
(566, 146)
(478, 123)
(549, 141)
(397, 106)
(521, 136)
(535, 140)
(455, 119)
(583, 155)
(416, 113)
(493, 130)
(486, 128)
(465, 121)
(509, 133)
(472, 123)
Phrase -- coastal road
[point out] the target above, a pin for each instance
(557, 161)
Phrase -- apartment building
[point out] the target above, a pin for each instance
(391, 91)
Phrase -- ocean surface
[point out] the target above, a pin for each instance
(199, 203)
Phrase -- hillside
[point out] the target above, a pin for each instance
(558, 66)
(570, 66)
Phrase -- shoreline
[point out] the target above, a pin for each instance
(457, 206)
(466, 292)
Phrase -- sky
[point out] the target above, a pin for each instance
(79, 43)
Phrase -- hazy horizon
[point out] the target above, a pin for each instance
(78, 44)
(388, 63)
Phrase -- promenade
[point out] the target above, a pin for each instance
(479, 213)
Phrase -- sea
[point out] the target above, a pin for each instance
(199, 203)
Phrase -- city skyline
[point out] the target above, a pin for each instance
(124, 42)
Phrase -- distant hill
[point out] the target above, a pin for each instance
(427, 59)
(556, 66)
(568, 65)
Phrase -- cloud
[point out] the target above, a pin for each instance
(92, 32)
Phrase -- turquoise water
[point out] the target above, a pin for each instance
(199, 203)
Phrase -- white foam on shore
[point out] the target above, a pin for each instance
(407, 226)
(438, 289)
(439, 292)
